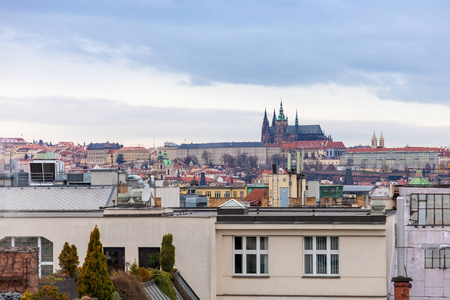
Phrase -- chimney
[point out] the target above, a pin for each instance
(402, 286)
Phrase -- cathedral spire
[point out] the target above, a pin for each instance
(281, 114)
(274, 117)
(296, 118)
(265, 120)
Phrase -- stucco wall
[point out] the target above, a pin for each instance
(192, 239)
(364, 266)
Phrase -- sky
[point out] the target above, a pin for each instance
(150, 71)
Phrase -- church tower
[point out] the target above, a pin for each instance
(280, 126)
(374, 143)
(265, 134)
(381, 140)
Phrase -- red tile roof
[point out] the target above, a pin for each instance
(256, 196)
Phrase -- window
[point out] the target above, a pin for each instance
(234, 194)
(149, 257)
(251, 255)
(45, 250)
(227, 194)
(437, 259)
(115, 258)
(321, 256)
(430, 209)
(208, 193)
(217, 194)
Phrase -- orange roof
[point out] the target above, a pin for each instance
(338, 145)
(256, 196)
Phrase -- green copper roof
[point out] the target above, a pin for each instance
(281, 115)
(168, 162)
(419, 180)
(159, 155)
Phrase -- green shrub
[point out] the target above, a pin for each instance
(134, 269)
(116, 296)
(94, 278)
(167, 255)
(128, 286)
(144, 274)
(68, 260)
(164, 282)
(153, 260)
(47, 292)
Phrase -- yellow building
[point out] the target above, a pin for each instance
(134, 153)
(286, 190)
(217, 195)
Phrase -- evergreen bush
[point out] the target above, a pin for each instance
(94, 279)
(68, 260)
(164, 282)
(167, 255)
(47, 292)
(144, 274)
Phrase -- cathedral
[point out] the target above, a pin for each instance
(280, 132)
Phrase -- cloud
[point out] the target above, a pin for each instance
(395, 49)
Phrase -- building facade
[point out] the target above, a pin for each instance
(96, 152)
(216, 151)
(393, 158)
(426, 240)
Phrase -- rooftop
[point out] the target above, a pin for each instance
(54, 198)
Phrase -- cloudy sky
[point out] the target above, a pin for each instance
(149, 71)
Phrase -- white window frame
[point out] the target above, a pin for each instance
(244, 253)
(328, 252)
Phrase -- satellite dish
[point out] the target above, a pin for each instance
(146, 193)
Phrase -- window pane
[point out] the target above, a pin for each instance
(308, 263)
(435, 258)
(263, 243)
(430, 216)
(251, 264)
(321, 243)
(308, 242)
(251, 243)
(46, 270)
(422, 197)
(334, 243)
(321, 266)
(438, 201)
(238, 242)
(26, 241)
(47, 250)
(334, 264)
(422, 213)
(5, 242)
(264, 264)
(446, 220)
(446, 201)
(414, 204)
(438, 217)
(447, 259)
(428, 263)
(430, 201)
(238, 263)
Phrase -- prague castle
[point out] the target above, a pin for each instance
(280, 132)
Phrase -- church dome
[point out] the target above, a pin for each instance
(419, 180)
